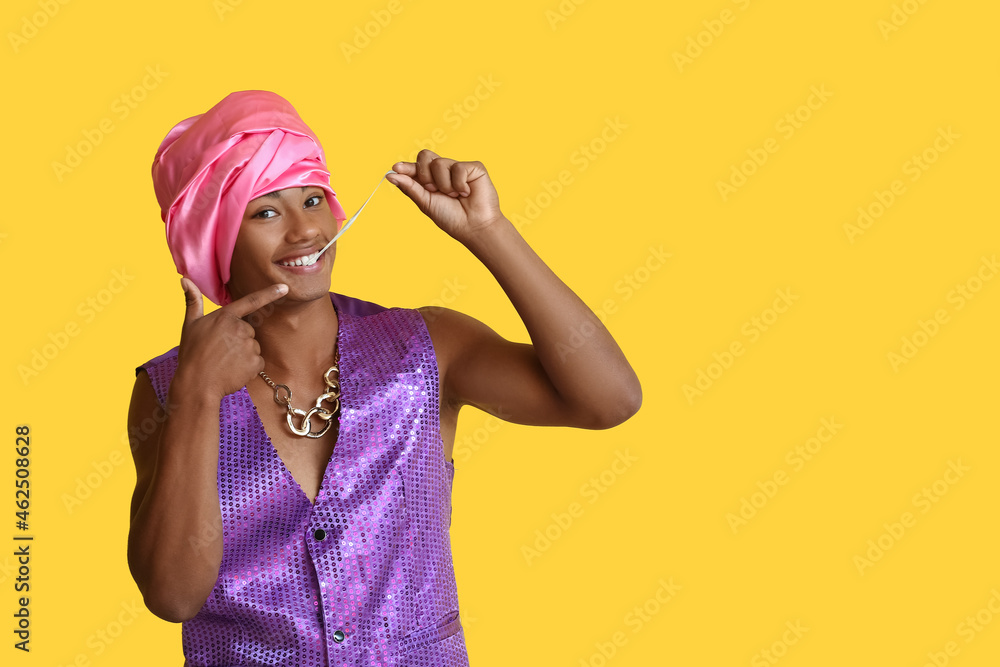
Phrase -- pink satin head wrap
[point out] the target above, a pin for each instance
(210, 166)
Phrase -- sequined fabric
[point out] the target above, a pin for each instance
(364, 576)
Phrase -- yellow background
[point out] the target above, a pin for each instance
(681, 129)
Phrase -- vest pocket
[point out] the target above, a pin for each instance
(424, 637)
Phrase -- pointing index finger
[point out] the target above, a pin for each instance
(256, 300)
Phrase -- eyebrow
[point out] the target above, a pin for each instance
(277, 193)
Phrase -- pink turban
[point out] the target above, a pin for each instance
(210, 166)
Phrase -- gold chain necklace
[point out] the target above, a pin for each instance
(332, 394)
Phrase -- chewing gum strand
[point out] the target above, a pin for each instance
(351, 220)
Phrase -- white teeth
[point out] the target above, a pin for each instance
(305, 260)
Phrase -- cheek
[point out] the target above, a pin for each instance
(246, 257)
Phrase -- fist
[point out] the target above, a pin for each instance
(458, 196)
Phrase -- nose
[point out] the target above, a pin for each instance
(303, 225)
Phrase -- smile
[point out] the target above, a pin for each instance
(304, 260)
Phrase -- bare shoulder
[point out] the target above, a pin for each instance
(454, 328)
(481, 368)
(454, 333)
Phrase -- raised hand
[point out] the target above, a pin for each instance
(218, 352)
(458, 196)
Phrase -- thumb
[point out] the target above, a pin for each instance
(195, 308)
(412, 189)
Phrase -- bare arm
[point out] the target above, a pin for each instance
(573, 373)
(175, 534)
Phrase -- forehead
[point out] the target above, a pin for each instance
(278, 194)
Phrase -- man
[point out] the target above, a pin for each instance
(337, 529)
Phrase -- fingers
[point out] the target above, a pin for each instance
(459, 174)
(438, 174)
(441, 173)
(404, 168)
(194, 307)
(415, 191)
(256, 300)
(424, 174)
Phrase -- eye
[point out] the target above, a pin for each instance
(266, 214)
(315, 199)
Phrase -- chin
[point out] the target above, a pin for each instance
(308, 292)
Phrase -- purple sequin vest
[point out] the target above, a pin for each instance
(364, 576)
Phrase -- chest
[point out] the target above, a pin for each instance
(305, 458)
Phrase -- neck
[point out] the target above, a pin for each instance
(297, 338)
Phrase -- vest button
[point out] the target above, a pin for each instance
(320, 535)
(339, 636)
